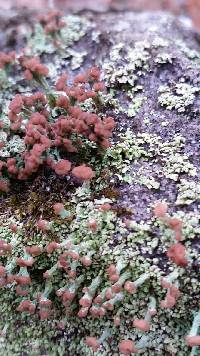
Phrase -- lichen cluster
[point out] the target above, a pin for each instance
(110, 265)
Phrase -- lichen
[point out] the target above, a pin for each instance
(188, 192)
(179, 97)
(129, 70)
(154, 165)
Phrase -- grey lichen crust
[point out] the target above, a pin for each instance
(151, 66)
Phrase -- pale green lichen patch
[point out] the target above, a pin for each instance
(126, 64)
(179, 97)
(134, 245)
(39, 42)
(76, 27)
(13, 146)
(188, 192)
(149, 182)
(77, 59)
(148, 147)
(189, 52)
(127, 150)
(135, 105)
(164, 57)
(4, 81)
(137, 160)
(176, 164)
(160, 42)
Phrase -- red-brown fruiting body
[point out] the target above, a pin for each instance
(21, 291)
(58, 207)
(26, 306)
(61, 82)
(85, 302)
(71, 273)
(93, 343)
(52, 22)
(44, 314)
(28, 75)
(160, 210)
(16, 104)
(34, 250)
(74, 255)
(52, 247)
(40, 133)
(2, 271)
(130, 287)
(175, 292)
(43, 225)
(111, 270)
(99, 86)
(94, 311)
(108, 306)
(141, 324)
(62, 102)
(109, 294)
(23, 280)
(86, 261)
(114, 277)
(165, 283)
(46, 275)
(98, 299)
(102, 312)
(92, 224)
(177, 253)
(6, 58)
(45, 302)
(62, 167)
(33, 66)
(83, 172)
(68, 295)
(11, 278)
(5, 247)
(94, 73)
(117, 321)
(127, 347)
(4, 186)
(22, 262)
(105, 207)
(193, 340)
(80, 78)
(83, 312)
(13, 227)
(169, 301)
(176, 225)
(152, 312)
(116, 288)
